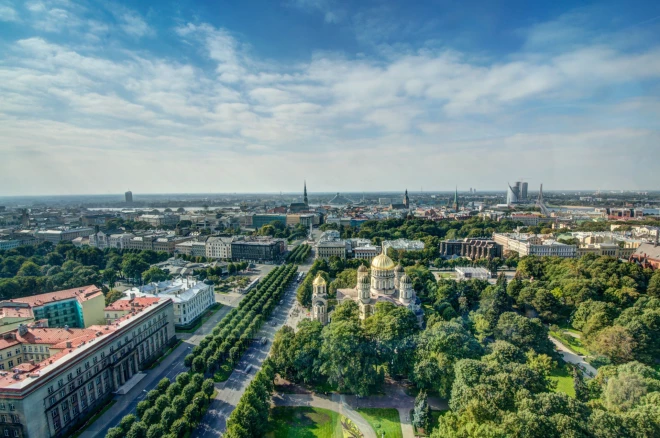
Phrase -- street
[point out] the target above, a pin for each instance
(229, 393)
(169, 367)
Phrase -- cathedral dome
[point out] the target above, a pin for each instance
(318, 281)
(362, 268)
(405, 279)
(398, 268)
(382, 262)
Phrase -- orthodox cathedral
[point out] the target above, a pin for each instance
(386, 283)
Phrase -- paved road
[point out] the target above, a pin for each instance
(170, 367)
(573, 358)
(229, 393)
(334, 403)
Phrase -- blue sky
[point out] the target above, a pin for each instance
(240, 96)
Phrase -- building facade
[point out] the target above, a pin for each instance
(77, 307)
(531, 244)
(191, 298)
(56, 236)
(258, 250)
(259, 220)
(327, 249)
(219, 247)
(471, 248)
(76, 371)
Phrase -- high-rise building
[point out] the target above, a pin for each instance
(523, 192)
(129, 197)
(512, 194)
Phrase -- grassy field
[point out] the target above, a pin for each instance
(305, 422)
(205, 317)
(383, 420)
(564, 379)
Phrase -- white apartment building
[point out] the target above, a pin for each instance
(78, 371)
(219, 247)
(531, 244)
(191, 297)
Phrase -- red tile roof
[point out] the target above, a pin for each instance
(80, 293)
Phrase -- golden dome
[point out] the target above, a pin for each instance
(318, 281)
(382, 262)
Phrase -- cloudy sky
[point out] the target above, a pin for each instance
(161, 96)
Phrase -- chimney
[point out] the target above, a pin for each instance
(68, 344)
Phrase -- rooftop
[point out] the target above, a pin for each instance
(125, 304)
(80, 293)
(69, 341)
(179, 290)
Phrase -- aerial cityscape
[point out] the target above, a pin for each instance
(306, 219)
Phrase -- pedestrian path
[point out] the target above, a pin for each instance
(569, 356)
(334, 403)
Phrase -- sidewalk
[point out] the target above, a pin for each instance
(395, 397)
(569, 356)
(335, 403)
(169, 367)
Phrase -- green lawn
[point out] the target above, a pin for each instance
(383, 420)
(564, 379)
(305, 422)
(209, 313)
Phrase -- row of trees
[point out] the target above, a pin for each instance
(299, 254)
(172, 409)
(234, 333)
(250, 418)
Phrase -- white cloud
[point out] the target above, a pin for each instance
(408, 115)
(8, 13)
(134, 25)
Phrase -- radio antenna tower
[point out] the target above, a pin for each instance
(540, 204)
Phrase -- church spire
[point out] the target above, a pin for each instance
(456, 199)
(406, 201)
(305, 194)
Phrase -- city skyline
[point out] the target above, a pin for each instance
(173, 98)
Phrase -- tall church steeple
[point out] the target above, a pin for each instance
(305, 194)
(456, 200)
(406, 201)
